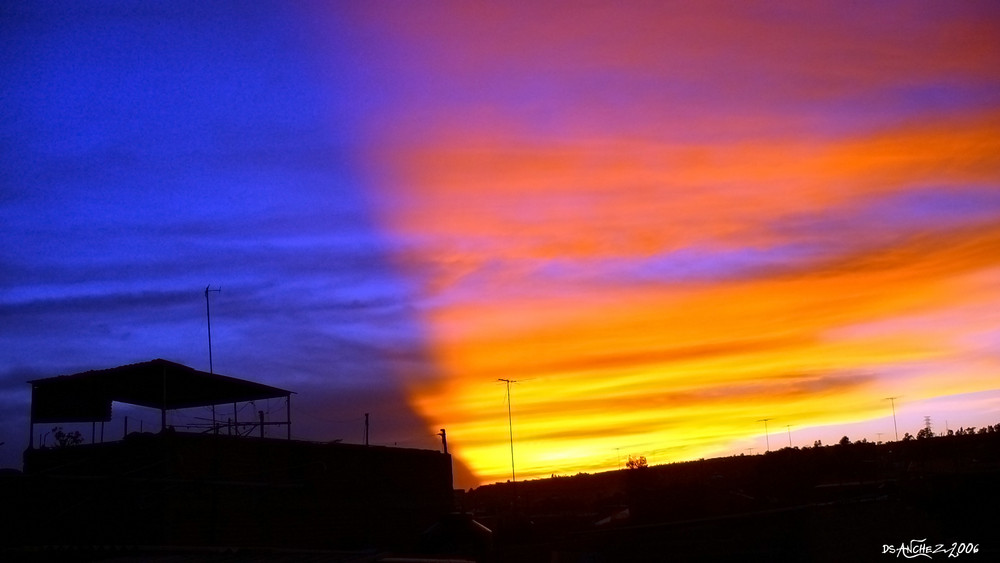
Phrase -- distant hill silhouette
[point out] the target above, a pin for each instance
(826, 503)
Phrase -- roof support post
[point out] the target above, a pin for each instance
(288, 414)
(31, 421)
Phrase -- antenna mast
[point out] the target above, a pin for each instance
(208, 315)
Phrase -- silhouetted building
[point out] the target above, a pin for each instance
(156, 384)
(212, 488)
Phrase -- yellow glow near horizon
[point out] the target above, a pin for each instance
(686, 376)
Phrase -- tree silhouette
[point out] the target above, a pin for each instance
(66, 439)
(636, 462)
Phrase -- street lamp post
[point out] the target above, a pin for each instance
(767, 440)
(510, 429)
(892, 401)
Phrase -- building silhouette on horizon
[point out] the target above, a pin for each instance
(219, 487)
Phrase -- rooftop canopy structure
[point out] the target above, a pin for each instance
(158, 384)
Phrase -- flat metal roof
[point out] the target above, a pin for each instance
(159, 384)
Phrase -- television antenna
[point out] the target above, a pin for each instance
(208, 315)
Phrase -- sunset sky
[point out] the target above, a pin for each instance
(666, 221)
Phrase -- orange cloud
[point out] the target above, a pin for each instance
(507, 205)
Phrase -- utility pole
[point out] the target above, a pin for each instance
(767, 440)
(366, 429)
(510, 429)
(892, 401)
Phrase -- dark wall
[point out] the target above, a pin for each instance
(186, 489)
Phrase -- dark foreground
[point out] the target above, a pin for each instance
(929, 499)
